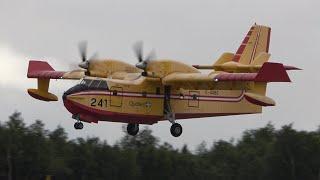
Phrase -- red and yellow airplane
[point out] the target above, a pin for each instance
(157, 90)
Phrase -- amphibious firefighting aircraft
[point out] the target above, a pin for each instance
(157, 90)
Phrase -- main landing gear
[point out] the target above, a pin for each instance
(133, 129)
(176, 129)
(78, 124)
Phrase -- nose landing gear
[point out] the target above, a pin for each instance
(78, 124)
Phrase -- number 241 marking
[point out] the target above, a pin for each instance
(101, 102)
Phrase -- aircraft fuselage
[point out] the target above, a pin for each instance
(107, 100)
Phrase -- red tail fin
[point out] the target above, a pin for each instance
(272, 72)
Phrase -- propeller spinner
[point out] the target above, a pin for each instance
(83, 53)
(143, 62)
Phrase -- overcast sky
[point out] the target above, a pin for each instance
(191, 31)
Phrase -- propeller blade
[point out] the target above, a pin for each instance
(143, 62)
(138, 49)
(151, 56)
(73, 66)
(83, 50)
(94, 56)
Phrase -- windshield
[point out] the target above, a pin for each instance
(86, 82)
(95, 84)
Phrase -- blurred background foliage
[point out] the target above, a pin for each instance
(32, 152)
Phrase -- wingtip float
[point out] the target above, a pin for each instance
(156, 90)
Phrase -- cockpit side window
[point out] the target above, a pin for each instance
(86, 82)
(103, 85)
(95, 83)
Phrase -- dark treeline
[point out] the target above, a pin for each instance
(32, 152)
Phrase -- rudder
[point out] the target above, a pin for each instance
(255, 42)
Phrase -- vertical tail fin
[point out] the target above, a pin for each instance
(255, 42)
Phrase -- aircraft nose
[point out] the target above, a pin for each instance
(64, 96)
(74, 89)
(68, 92)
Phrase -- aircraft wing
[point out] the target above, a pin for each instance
(269, 72)
(44, 72)
(41, 69)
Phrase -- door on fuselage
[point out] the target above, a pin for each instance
(193, 100)
(116, 96)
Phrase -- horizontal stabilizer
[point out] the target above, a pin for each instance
(272, 72)
(269, 72)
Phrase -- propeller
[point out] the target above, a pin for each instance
(83, 46)
(143, 62)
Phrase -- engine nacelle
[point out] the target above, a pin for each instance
(105, 68)
(162, 68)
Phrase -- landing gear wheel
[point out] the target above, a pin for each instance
(133, 129)
(176, 129)
(78, 125)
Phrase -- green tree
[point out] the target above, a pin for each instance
(295, 155)
(254, 148)
(31, 152)
(14, 136)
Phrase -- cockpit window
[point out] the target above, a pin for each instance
(95, 83)
(103, 85)
(86, 82)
